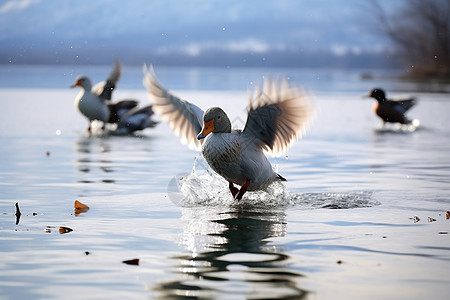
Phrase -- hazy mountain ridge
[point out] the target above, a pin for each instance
(284, 33)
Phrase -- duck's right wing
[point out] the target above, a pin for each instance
(104, 89)
(277, 116)
(184, 118)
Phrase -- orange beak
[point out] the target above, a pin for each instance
(78, 83)
(208, 127)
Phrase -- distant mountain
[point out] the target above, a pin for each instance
(197, 32)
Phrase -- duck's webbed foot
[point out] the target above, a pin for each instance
(237, 194)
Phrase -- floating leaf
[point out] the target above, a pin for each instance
(18, 213)
(447, 214)
(134, 261)
(80, 207)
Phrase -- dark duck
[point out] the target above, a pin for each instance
(392, 111)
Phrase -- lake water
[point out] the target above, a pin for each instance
(362, 215)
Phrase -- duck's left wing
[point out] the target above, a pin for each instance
(278, 114)
(184, 118)
(405, 104)
(104, 89)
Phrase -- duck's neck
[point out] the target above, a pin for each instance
(87, 86)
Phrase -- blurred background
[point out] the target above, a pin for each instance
(355, 189)
(412, 35)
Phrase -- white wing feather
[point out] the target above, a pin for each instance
(278, 115)
(184, 118)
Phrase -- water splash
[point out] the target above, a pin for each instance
(399, 128)
(204, 187)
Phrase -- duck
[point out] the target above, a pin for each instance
(277, 116)
(391, 111)
(136, 119)
(94, 102)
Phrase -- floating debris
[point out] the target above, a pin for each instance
(18, 213)
(134, 262)
(63, 229)
(430, 219)
(443, 232)
(87, 253)
(447, 214)
(48, 229)
(339, 262)
(47, 153)
(415, 219)
(80, 207)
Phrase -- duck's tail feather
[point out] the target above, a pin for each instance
(281, 177)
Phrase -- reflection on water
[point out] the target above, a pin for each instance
(115, 164)
(230, 254)
(89, 148)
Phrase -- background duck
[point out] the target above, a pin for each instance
(392, 111)
(276, 117)
(136, 119)
(94, 102)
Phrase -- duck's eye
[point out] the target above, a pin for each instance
(218, 117)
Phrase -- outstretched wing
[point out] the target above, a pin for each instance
(405, 104)
(184, 118)
(277, 116)
(104, 89)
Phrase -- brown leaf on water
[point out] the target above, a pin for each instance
(80, 207)
(430, 219)
(447, 214)
(63, 229)
(134, 261)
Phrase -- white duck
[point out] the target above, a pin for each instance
(276, 117)
(94, 102)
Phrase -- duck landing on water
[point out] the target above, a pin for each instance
(393, 111)
(277, 116)
(94, 102)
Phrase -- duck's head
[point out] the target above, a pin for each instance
(214, 120)
(82, 81)
(377, 94)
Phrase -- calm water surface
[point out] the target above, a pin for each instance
(341, 227)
